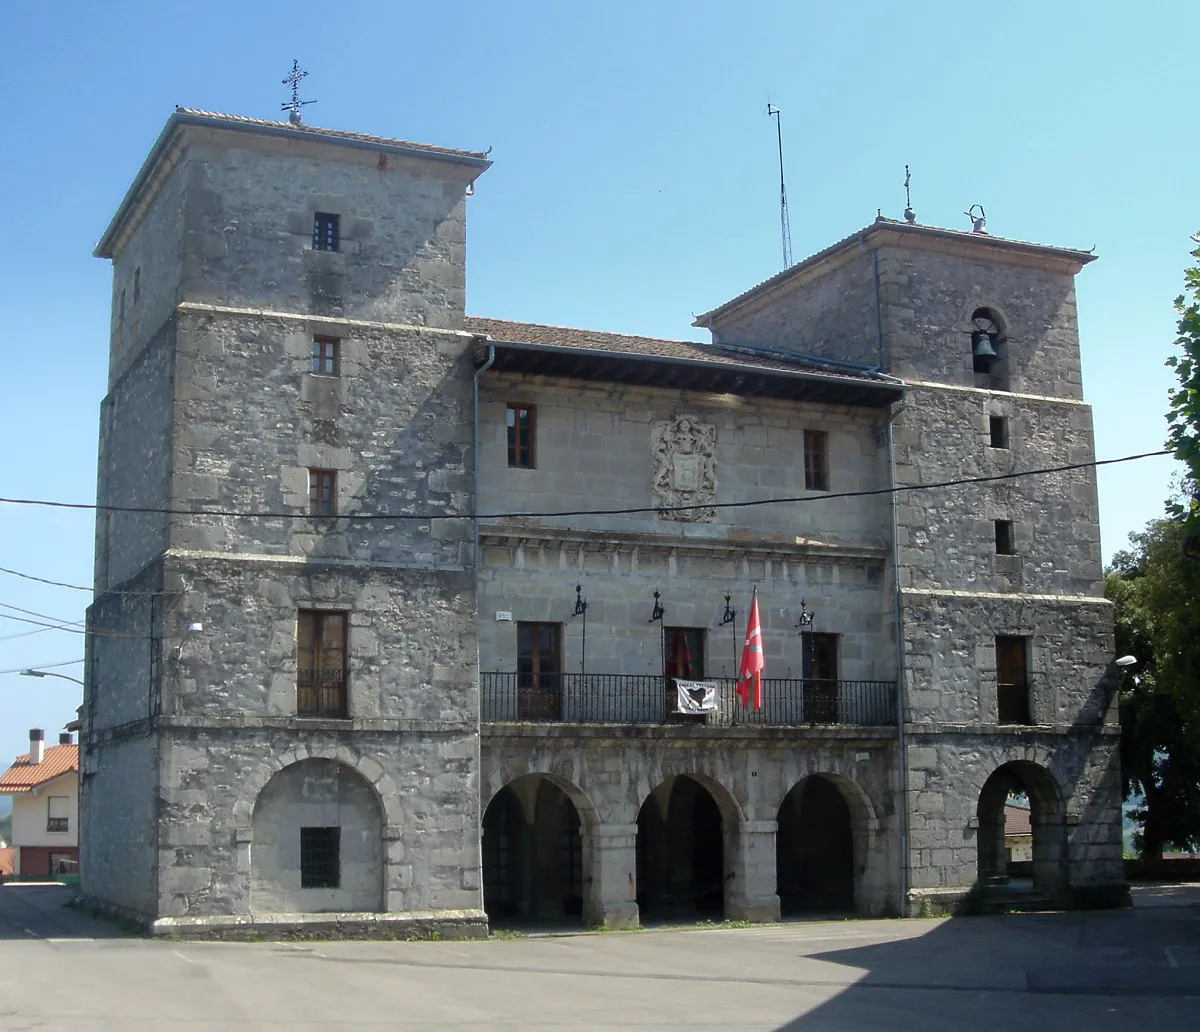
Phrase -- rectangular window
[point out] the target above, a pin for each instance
(58, 813)
(539, 670)
(816, 460)
(998, 428)
(326, 231)
(1004, 538)
(1012, 680)
(325, 356)
(322, 492)
(819, 664)
(522, 430)
(321, 664)
(320, 858)
(683, 653)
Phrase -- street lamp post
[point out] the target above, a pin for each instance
(49, 673)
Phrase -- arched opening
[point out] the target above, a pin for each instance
(989, 349)
(1034, 825)
(814, 849)
(317, 842)
(680, 852)
(532, 854)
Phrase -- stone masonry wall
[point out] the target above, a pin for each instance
(250, 208)
(946, 536)
(251, 418)
(833, 316)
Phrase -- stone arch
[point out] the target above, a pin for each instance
(1047, 820)
(317, 841)
(589, 816)
(257, 776)
(968, 310)
(686, 828)
(535, 849)
(825, 839)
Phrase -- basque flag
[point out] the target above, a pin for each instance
(750, 675)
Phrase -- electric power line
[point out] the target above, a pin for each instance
(752, 503)
(42, 666)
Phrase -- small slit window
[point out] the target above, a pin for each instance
(326, 231)
(1004, 538)
(326, 356)
(998, 431)
(322, 492)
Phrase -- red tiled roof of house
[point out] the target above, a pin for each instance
(1016, 820)
(7, 858)
(23, 775)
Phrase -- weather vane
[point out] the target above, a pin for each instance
(295, 104)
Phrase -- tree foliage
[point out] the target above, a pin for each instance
(1156, 593)
(1183, 412)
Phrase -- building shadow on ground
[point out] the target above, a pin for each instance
(40, 910)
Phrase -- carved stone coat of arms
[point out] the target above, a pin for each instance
(683, 470)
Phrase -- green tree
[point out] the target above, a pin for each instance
(1156, 594)
(1183, 412)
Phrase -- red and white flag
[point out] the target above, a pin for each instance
(750, 675)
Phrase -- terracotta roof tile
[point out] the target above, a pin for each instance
(598, 340)
(7, 857)
(23, 775)
(1016, 820)
(336, 134)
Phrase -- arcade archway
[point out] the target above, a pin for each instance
(680, 852)
(815, 849)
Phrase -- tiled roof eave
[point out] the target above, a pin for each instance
(593, 363)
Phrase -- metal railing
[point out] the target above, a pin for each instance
(648, 699)
(58, 823)
(321, 692)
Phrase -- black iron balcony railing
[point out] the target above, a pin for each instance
(647, 699)
(58, 823)
(321, 692)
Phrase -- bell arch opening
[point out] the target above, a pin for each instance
(533, 854)
(680, 852)
(317, 842)
(816, 848)
(1035, 809)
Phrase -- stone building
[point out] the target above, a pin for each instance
(395, 601)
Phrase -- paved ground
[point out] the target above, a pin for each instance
(1125, 970)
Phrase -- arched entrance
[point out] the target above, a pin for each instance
(317, 842)
(532, 854)
(1045, 874)
(680, 852)
(814, 849)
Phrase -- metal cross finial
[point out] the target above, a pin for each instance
(295, 104)
(909, 215)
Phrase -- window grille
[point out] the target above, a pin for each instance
(320, 858)
(326, 231)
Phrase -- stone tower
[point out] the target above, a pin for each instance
(1005, 637)
(286, 342)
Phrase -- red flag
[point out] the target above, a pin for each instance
(750, 675)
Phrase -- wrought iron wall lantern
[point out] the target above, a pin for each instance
(658, 612)
(730, 614)
(806, 617)
(580, 602)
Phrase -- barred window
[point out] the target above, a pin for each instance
(320, 858)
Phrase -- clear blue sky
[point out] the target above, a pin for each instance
(634, 184)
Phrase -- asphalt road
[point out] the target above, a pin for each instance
(1124, 970)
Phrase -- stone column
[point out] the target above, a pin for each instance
(751, 894)
(610, 889)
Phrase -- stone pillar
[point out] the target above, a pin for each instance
(610, 887)
(751, 894)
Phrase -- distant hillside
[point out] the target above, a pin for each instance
(5, 804)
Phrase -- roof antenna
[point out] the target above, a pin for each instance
(785, 225)
(293, 107)
(910, 216)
